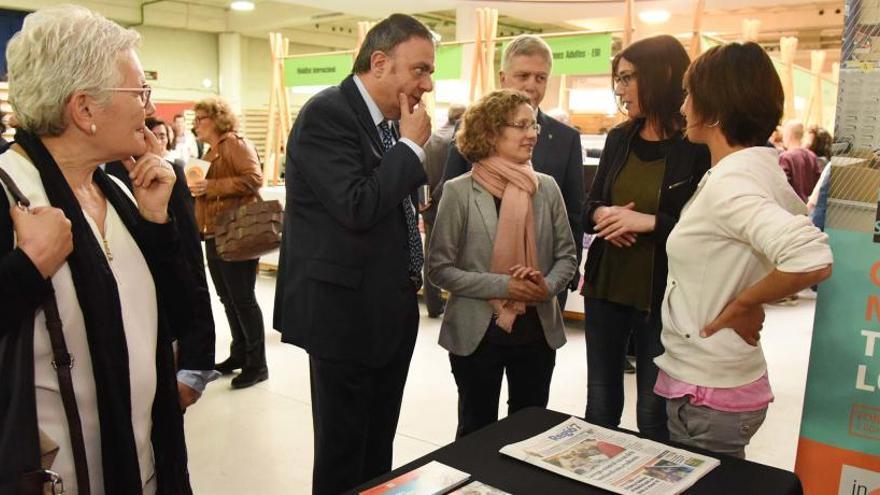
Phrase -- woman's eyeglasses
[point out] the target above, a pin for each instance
(525, 126)
(145, 92)
(624, 79)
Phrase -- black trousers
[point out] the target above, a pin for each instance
(529, 370)
(235, 283)
(355, 409)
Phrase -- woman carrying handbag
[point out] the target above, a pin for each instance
(233, 180)
(89, 273)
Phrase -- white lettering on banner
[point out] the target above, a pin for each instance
(860, 379)
(870, 341)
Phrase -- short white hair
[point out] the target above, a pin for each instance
(60, 50)
(793, 128)
(526, 44)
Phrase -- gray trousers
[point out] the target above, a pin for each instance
(721, 432)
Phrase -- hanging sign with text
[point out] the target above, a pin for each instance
(581, 55)
(319, 70)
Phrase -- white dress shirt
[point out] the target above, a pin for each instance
(378, 117)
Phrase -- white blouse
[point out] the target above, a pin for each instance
(137, 297)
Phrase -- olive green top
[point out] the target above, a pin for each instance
(625, 273)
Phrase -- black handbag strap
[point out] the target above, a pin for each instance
(62, 361)
(17, 195)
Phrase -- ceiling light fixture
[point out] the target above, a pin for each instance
(242, 5)
(654, 16)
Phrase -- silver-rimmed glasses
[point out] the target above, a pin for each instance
(145, 92)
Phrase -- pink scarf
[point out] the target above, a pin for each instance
(515, 184)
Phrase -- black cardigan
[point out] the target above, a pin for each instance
(22, 290)
(195, 334)
(686, 163)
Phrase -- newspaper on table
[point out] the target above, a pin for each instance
(612, 460)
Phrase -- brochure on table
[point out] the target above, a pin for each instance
(434, 478)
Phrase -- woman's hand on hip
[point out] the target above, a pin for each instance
(746, 320)
(152, 179)
(44, 235)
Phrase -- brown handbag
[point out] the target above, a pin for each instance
(249, 231)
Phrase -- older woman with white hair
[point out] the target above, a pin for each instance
(96, 400)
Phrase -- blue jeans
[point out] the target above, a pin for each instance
(609, 326)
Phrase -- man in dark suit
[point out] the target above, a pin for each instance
(526, 65)
(351, 256)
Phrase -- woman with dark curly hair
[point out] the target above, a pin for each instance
(233, 180)
(503, 249)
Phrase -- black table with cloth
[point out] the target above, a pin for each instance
(477, 454)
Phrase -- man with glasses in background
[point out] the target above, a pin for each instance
(526, 66)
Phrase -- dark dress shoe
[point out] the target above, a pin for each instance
(249, 378)
(228, 366)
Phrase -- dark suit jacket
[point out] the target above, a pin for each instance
(343, 288)
(194, 330)
(557, 154)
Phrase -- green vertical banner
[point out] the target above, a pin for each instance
(581, 55)
(320, 70)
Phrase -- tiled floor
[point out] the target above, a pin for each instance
(259, 440)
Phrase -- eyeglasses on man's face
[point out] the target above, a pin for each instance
(525, 126)
(199, 118)
(144, 96)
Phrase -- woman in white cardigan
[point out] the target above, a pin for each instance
(743, 240)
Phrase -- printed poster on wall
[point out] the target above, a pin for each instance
(840, 430)
(839, 447)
